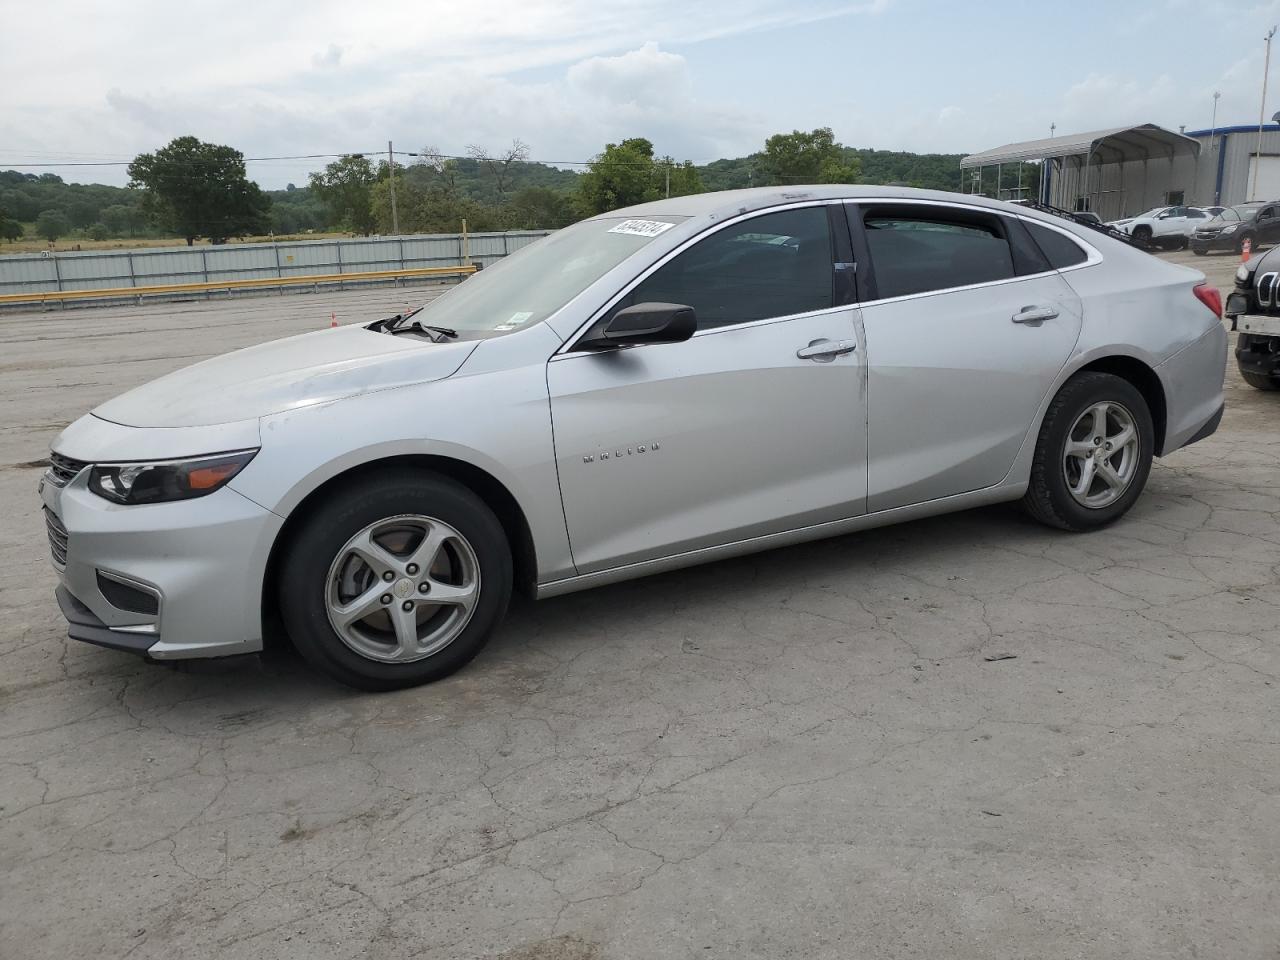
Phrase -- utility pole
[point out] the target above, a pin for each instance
(1262, 111)
(1213, 123)
(391, 164)
(668, 178)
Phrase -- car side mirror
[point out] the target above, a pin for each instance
(645, 323)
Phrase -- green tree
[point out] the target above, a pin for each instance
(346, 189)
(52, 224)
(200, 189)
(99, 231)
(82, 213)
(621, 176)
(10, 229)
(677, 179)
(814, 157)
(540, 208)
(122, 218)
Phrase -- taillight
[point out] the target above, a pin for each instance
(1210, 297)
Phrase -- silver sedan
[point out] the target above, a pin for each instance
(651, 388)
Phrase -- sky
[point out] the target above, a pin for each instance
(101, 82)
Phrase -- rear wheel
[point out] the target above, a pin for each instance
(396, 581)
(1198, 252)
(1260, 381)
(1093, 453)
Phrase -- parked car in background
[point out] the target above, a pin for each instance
(1165, 227)
(1212, 211)
(1254, 310)
(1085, 216)
(725, 373)
(1257, 222)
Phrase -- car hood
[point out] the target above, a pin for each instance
(285, 374)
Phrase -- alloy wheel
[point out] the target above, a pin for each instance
(1100, 457)
(403, 588)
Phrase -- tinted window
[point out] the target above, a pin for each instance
(1196, 214)
(1060, 250)
(915, 254)
(773, 265)
(1267, 213)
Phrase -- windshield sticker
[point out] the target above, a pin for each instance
(641, 228)
(515, 321)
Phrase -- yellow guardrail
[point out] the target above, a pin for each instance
(206, 286)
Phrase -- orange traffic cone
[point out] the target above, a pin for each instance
(333, 319)
(1246, 247)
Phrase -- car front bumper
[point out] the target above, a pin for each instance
(1212, 244)
(170, 580)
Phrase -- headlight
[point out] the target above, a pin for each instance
(165, 480)
(1242, 273)
(1230, 228)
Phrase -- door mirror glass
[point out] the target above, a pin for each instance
(647, 323)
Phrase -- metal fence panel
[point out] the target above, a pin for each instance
(35, 273)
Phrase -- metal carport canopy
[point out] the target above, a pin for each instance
(1141, 142)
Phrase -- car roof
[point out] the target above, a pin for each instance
(725, 203)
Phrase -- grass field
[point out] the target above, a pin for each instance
(33, 244)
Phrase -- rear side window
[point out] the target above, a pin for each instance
(774, 265)
(917, 252)
(1060, 249)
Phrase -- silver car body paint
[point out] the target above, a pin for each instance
(630, 462)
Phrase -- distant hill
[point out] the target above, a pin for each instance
(115, 211)
(931, 171)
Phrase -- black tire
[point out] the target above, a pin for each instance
(1198, 252)
(304, 573)
(1142, 234)
(1260, 381)
(1240, 243)
(1183, 243)
(1048, 498)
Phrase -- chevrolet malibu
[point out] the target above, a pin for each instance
(651, 388)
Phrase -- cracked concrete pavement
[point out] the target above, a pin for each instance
(966, 737)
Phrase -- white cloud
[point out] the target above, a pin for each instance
(339, 76)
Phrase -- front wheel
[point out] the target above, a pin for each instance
(1093, 453)
(395, 580)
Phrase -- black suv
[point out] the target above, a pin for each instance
(1254, 311)
(1257, 221)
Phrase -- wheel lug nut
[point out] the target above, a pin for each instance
(388, 576)
(424, 587)
(407, 605)
(411, 569)
(386, 598)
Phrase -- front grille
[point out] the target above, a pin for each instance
(59, 539)
(62, 470)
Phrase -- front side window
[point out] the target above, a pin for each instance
(919, 252)
(774, 265)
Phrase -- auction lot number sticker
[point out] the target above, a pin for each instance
(641, 228)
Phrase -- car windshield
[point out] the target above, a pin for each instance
(1242, 212)
(536, 281)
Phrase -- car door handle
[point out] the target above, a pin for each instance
(1034, 315)
(824, 351)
